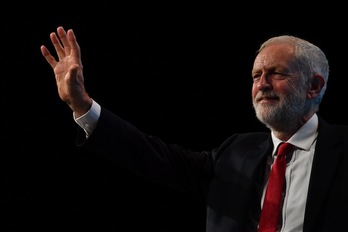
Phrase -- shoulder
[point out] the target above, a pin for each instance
(330, 132)
(326, 126)
(247, 140)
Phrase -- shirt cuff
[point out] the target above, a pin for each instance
(89, 120)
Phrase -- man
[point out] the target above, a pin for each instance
(289, 81)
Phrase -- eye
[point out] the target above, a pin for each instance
(256, 77)
(271, 75)
(279, 75)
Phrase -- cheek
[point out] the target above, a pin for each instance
(254, 91)
(283, 88)
(291, 91)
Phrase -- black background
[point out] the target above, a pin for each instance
(179, 72)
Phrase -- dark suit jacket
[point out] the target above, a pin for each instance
(228, 179)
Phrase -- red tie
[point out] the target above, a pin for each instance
(271, 205)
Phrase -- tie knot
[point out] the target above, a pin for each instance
(284, 149)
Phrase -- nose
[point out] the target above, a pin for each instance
(264, 83)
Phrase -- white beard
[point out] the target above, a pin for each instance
(284, 115)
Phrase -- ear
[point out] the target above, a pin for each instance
(316, 85)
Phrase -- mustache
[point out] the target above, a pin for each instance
(268, 94)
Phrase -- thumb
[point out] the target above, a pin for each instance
(76, 74)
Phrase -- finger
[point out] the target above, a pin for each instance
(57, 45)
(75, 48)
(64, 39)
(49, 58)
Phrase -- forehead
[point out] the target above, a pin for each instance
(275, 55)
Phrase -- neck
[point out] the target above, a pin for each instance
(284, 131)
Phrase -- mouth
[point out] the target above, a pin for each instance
(267, 100)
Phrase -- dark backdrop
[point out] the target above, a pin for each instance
(181, 73)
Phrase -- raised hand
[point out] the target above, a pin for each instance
(68, 70)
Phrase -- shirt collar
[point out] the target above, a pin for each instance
(304, 137)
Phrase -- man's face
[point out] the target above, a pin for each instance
(278, 94)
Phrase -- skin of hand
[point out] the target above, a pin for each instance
(68, 70)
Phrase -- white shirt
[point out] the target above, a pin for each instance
(297, 172)
(297, 175)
